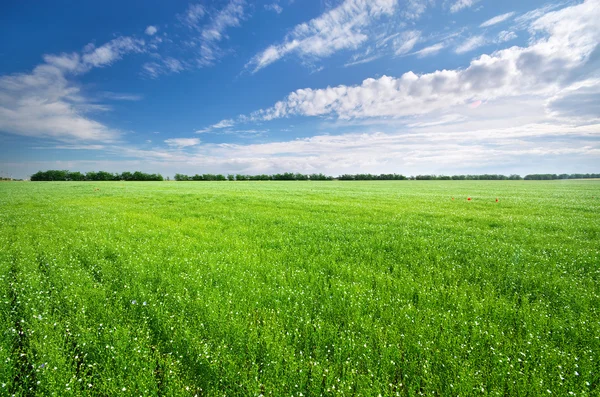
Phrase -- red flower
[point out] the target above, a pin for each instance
(469, 198)
(496, 200)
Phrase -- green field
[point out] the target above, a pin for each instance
(300, 288)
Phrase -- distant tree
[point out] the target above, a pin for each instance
(76, 176)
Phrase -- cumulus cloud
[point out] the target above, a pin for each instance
(566, 39)
(46, 103)
(497, 19)
(182, 142)
(342, 27)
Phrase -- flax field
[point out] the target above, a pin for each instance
(333, 288)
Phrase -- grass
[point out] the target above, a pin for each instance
(300, 288)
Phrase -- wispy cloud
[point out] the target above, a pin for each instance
(210, 28)
(431, 50)
(405, 42)
(193, 15)
(47, 103)
(505, 36)
(460, 4)
(342, 27)
(274, 7)
(221, 124)
(211, 34)
(413, 9)
(116, 96)
(470, 44)
(110, 52)
(497, 19)
(362, 60)
(161, 66)
(182, 142)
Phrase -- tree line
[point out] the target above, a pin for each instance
(64, 175)
(286, 176)
(548, 177)
(482, 177)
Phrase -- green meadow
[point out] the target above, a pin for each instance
(300, 288)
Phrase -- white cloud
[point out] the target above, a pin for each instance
(420, 149)
(454, 148)
(163, 66)
(446, 119)
(431, 50)
(363, 60)
(505, 36)
(229, 16)
(115, 96)
(471, 44)
(567, 39)
(211, 34)
(93, 56)
(210, 27)
(405, 42)
(413, 9)
(182, 142)
(274, 7)
(193, 15)
(497, 19)
(221, 124)
(46, 103)
(111, 51)
(523, 21)
(340, 28)
(578, 103)
(151, 30)
(173, 65)
(460, 4)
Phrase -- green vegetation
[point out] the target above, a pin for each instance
(300, 289)
(65, 175)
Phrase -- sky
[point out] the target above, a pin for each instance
(333, 86)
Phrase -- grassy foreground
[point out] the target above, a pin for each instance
(300, 288)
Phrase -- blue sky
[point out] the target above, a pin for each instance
(346, 86)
